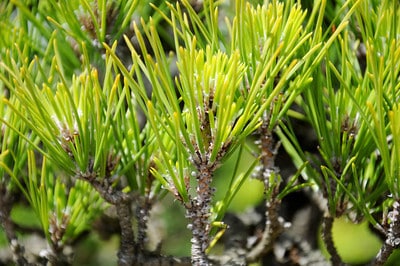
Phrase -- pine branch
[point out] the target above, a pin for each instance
(199, 214)
(127, 252)
(327, 226)
(122, 202)
(273, 223)
(142, 215)
(392, 241)
(273, 229)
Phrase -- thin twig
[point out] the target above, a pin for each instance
(273, 229)
(57, 229)
(268, 173)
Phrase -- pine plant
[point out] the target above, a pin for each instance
(111, 109)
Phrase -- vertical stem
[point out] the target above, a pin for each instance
(268, 172)
(273, 229)
(57, 230)
(126, 253)
(142, 214)
(269, 149)
(122, 203)
(327, 226)
(145, 204)
(199, 214)
(383, 255)
(392, 236)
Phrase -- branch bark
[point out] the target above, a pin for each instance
(327, 226)
(126, 253)
(199, 214)
(392, 236)
(122, 202)
(268, 174)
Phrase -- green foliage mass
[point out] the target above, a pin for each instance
(109, 102)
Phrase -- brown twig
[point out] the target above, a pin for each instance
(122, 203)
(268, 171)
(57, 231)
(273, 229)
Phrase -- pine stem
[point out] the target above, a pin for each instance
(392, 236)
(268, 171)
(327, 226)
(142, 214)
(273, 229)
(126, 253)
(199, 213)
(57, 231)
(122, 202)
